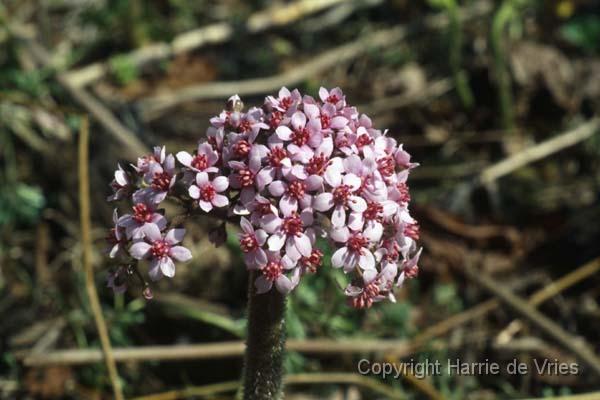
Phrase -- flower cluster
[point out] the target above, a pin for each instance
(292, 171)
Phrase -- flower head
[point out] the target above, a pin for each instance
(294, 169)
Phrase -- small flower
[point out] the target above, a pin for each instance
(207, 192)
(342, 196)
(334, 96)
(204, 159)
(143, 163)
(303, 138)
(293, 195)
(143, 213)
(251, 242)
(160, 250)
(117, 239)
(160, 177)
(354, 252)
(285, 102)
(121, 185)
(273, 272)
(289, 231)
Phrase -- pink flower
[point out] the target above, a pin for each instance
(142, 214)
(207, 191)
(286, 101)
(273, 272)
(143, 163)
(116, 238)
(204, 159)
(160, 176)
(251, 242)
(246, 178)
(303, 137)
(289, 231)
(121, 185)
(293, 195)
(354, 252)
(334, 96)
(343, 195)
(160, 250)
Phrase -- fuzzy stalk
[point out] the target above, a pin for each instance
(265, 344)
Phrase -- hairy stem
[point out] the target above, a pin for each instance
(263, 369)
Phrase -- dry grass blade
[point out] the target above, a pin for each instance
(539, 151)
(583, 396)
(197, 38)
(86, 240)
(154, 106)
(132, 145)
(578, 347)
(395, 348)
(294, 379)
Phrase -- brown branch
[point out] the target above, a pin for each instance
(86, 241)
(331, 378)
(197, 38)
(133, 146)
(539, 151)
(582, 396)
(484, 308)
(154, 106)
(396, 348)
(577, 346)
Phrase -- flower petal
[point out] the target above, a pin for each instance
(184, 158)
(323, 202)
(283, 284)
(167, 267)
(357, 204)
(246, 225)
(220, 201)
(276, 241)
(194, 192)
(175, 236)
(337, 259)
(262, 284)
(284, 133)
(180, 253)
(277, 188)
(338, 218)
(303, 245)
(366, 260)
(152, 232)
(220, 183)
(353, 181)
(139, 250)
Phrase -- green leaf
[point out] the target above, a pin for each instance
(583, 32)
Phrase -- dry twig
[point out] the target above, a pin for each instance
(539, 151)
(122, 134)
(583, 396)
(153, 106)
(293, 379)
(197, 38)
(577, 346)
(484, 308)
(397, 348)
(86, 240)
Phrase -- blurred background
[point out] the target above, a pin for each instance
(496, 100)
